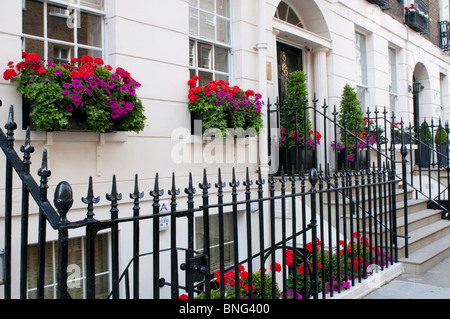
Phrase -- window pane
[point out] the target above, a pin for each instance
(58, 27)
(191, 53)
(191, 73)
(60, 54)
(76, 289)
(102, 289)
(223, 30)
(205, 78)
(221, 59)
(193, 21)
(90, 32)
(204, 52)
(101, 257)
(392, 71)
(361, 92)
(33, 18)
(34, 46)
(207, 5)
(193, 3)
(222, 77)
(92, 53)
(207, 26)
(361, 59)
(223, 8)
(95, 4)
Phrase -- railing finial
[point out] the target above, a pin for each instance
(90, 200)
(63, 201)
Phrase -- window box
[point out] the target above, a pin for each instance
(384, 4)
(416, 21)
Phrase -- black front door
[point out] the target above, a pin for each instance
(290, 59)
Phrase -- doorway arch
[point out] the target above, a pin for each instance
(422, 104)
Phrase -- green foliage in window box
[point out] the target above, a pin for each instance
(223, 107)
(86, 94)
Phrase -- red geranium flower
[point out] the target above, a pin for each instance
(98, 61)
(87, 59)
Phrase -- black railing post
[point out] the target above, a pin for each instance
(220, 185)
(114, 197)
(405, 196)
(63, 202)
(205, 186)
(313, 179)
(174, 192)
(234, 184)
(156, 193)
(26, 149)
(248, 183)
(91, 232)
(260, 182)
(44, 173)
(10, 126)
(136, 196)
(190, 191)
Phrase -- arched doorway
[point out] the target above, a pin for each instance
(420, 89)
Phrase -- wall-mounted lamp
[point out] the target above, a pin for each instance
(416, 87)
(2, 267)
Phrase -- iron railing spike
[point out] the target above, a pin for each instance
(136, 194)
(174, 191)
(43, 171)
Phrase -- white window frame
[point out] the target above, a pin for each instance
(393, 75)
(199, 232)
(361, 65)
(198, 41)
(75, 45)
(83, 277)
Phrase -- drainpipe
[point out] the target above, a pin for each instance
(262, 47)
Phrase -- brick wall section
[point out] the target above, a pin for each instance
(397, 12)
(433, 25)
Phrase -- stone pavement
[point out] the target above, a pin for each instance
(432, 284)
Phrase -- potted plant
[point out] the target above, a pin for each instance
(441, 141)
(297, 140)
(353, 134)
(220, 107)
(424, 145)
(85, 94)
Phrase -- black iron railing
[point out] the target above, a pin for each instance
(284, 230)
(384, 4)
(445, 35)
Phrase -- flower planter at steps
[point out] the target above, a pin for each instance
(288, 159)
(442, 155)
(360, 158)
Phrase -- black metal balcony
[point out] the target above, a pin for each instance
(416, 22)
(384, 4)
(445, 35)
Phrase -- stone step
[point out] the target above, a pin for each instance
(426, 257)
(424, 236)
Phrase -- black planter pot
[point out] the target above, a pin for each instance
(27, 121)
(442, 155)
(197, 124)
(423, 155)
(291, 159)
(398, 138)
(360, 159)
(376, 135)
